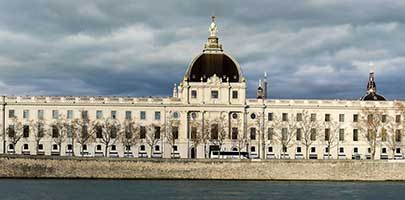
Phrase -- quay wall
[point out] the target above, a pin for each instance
(109, 168)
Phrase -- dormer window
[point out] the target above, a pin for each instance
(234, 94)
(214, 94)
(193, 94)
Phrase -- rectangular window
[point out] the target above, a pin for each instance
(85, 115)
(270, 149)
(270, 116)
(313, 150)
(143, 115)
(355, 135)
(128, 115)
(11, 114)
(214, 131)
(114, 131)
(285, 117)
(398, 135)
(175, 132)
(55, 114)
(234, 94)
(11, 131)
(99, 132)
(55, 132)
(313, 134)
(270, 133)
(26, 114)
(298, 149)
(193, 94)
(99, 114)
(299, 134)
(214, 94)
(193, 132)
(69, 114)
(143, 132)
(157, 115)
(327, 134)
(284, 134)
(327, 117)
(157, 132)
(253, 133)
(299, 117)
(69, 131)
(355, 150)
(40, 114)
(341, 150)
(341, 134)
(355, 118)
(383, 135)
(384, 118)
(341, 117)
(26, 131)
(313, 117)
(398, 118)
(113, 114)
(234, 133)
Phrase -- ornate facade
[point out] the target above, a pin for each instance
(208, 116)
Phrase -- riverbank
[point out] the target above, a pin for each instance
(177, 169)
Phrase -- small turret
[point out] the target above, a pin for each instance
(371, 93)
(260, 90)
(265, 86)
(175, 91)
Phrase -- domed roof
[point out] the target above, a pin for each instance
(371, 94)
(373, 97)
(213, 61)
(209, 64)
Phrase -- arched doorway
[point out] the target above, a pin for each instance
(193, 153)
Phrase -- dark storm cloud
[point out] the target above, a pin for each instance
(310, 49)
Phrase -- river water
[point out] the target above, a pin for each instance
(54, 189)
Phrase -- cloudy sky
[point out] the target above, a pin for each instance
(310, 49)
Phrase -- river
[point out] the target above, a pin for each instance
(55, 189)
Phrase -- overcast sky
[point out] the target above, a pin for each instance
(310, 49)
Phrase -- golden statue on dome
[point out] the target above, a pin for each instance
(213, 28)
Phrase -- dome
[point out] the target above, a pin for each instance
(373, 97)
(207, 65)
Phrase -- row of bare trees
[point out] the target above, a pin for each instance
(83, 131)
(303, 128)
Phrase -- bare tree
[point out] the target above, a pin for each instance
(38, 127)
(199, 133)
(110, 132)
(310, 126)
(286, 129)
(83, 131)
(371, 124)
(331, 134)
(15, 132)
(172, 134)
(153, 136)
(59, 131)
(219, 127)
(393, 137)
(238, 136)
(129, 135)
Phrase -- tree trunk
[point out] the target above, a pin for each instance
(106, 150)
(306, 152)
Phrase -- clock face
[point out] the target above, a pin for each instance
(234, 115)
(176, 115)
(253, 116)
(193, 115)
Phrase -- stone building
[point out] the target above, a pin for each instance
(208, 116)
